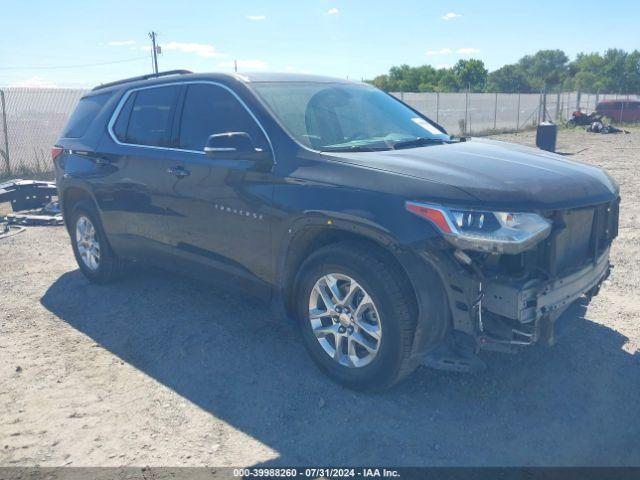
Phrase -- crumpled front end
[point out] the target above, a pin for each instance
(505, 302)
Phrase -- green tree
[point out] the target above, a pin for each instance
(632, 72)
(405, 78)
(584, 81)
(447, 82)
(614, 71)
(427, 78)
(382, 82)
(508, 79)
(545, 69)
(585, 73)
(471, 73)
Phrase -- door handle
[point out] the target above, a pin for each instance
(179, 172)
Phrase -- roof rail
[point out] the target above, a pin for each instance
(142, 77)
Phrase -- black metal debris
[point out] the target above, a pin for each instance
(32, 202)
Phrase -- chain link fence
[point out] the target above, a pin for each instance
(485, 113)
(30, 121)
(32, 118)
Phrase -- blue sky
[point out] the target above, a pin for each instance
(343, 38)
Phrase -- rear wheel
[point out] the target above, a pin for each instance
(90, 247)
(357, 314)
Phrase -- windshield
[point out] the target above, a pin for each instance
(346, 117)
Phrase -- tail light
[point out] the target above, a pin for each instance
(56, 152)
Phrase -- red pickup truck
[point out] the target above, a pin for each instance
(620, 110)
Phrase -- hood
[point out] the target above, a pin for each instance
(498, 174)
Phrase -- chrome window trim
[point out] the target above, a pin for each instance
(125, 97)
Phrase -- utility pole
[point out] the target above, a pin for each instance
(154, 51)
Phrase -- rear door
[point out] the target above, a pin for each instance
(220, 207)
(135, 202)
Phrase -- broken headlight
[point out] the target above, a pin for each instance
(485, 231)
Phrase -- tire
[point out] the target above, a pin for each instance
(108, 266)
(393, 308)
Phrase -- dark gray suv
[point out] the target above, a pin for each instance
(389, 242)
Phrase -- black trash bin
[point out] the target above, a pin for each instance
(546, 136)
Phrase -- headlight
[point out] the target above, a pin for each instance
(485, 231)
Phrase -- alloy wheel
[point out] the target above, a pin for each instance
(87, 243)
(345, 320)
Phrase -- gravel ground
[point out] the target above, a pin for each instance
(160, 370)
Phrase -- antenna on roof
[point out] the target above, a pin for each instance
(235, 66)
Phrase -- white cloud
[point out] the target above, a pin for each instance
(442, 51)
(248, 64)
(332, 11)
(450, 16)
(256, 17)
(121, 43)
(464, 52)
(467, 51)
(201, 49)
(34, 82)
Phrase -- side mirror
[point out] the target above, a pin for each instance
(233, 145)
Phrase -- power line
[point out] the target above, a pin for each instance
(55, 67)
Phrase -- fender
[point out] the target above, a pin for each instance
(423, 272)
(84, 191)
(326, 222)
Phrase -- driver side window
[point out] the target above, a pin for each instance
(210, 109)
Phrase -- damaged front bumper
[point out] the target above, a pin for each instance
(507, 302)
(523, 314)
(505, 315)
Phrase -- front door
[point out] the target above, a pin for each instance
(219, 216)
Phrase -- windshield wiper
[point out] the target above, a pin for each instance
(355, 148)
(418, 142)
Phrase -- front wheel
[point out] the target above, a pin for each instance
(357, 314)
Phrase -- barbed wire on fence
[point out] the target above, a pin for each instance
(31, 118)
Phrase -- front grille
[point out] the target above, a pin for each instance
(578, 238)
(581, 235)
(573, 241)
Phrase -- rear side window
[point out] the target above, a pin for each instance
(83, 115)
(122, 122)
(209, 109)
(147, 117)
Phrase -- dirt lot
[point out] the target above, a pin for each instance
(159, 370)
